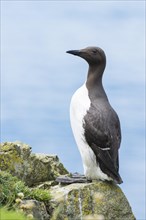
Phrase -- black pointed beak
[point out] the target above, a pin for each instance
(74, 52)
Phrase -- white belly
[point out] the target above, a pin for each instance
(80, 104)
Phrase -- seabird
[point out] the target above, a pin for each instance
(95, 124)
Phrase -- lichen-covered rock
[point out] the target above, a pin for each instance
(98, 200)
(33, 169)
(79, 201)
(35, 209)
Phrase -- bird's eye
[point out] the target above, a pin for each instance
(94, 51)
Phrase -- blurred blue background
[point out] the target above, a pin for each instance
(38, 78)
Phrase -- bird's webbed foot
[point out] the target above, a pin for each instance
(72, 178)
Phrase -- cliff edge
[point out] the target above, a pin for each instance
(79, 201)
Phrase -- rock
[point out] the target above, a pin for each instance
(16, 158)
(84, 201)
(77, 201)
(35, 209)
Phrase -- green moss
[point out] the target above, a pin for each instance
(40, 195)
(10, 158)
(10, 187)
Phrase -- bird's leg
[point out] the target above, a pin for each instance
(72, 178)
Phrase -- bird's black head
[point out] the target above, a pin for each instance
(93, 55)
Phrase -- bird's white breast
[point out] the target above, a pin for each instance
(80, 104)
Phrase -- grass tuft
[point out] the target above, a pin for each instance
(11, 187)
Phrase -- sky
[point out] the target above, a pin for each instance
(38, 78)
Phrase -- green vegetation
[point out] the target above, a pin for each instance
(12, 190)
(11, 215)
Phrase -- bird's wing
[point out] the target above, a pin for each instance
(102, 133)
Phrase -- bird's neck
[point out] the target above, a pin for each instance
(94, 81)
